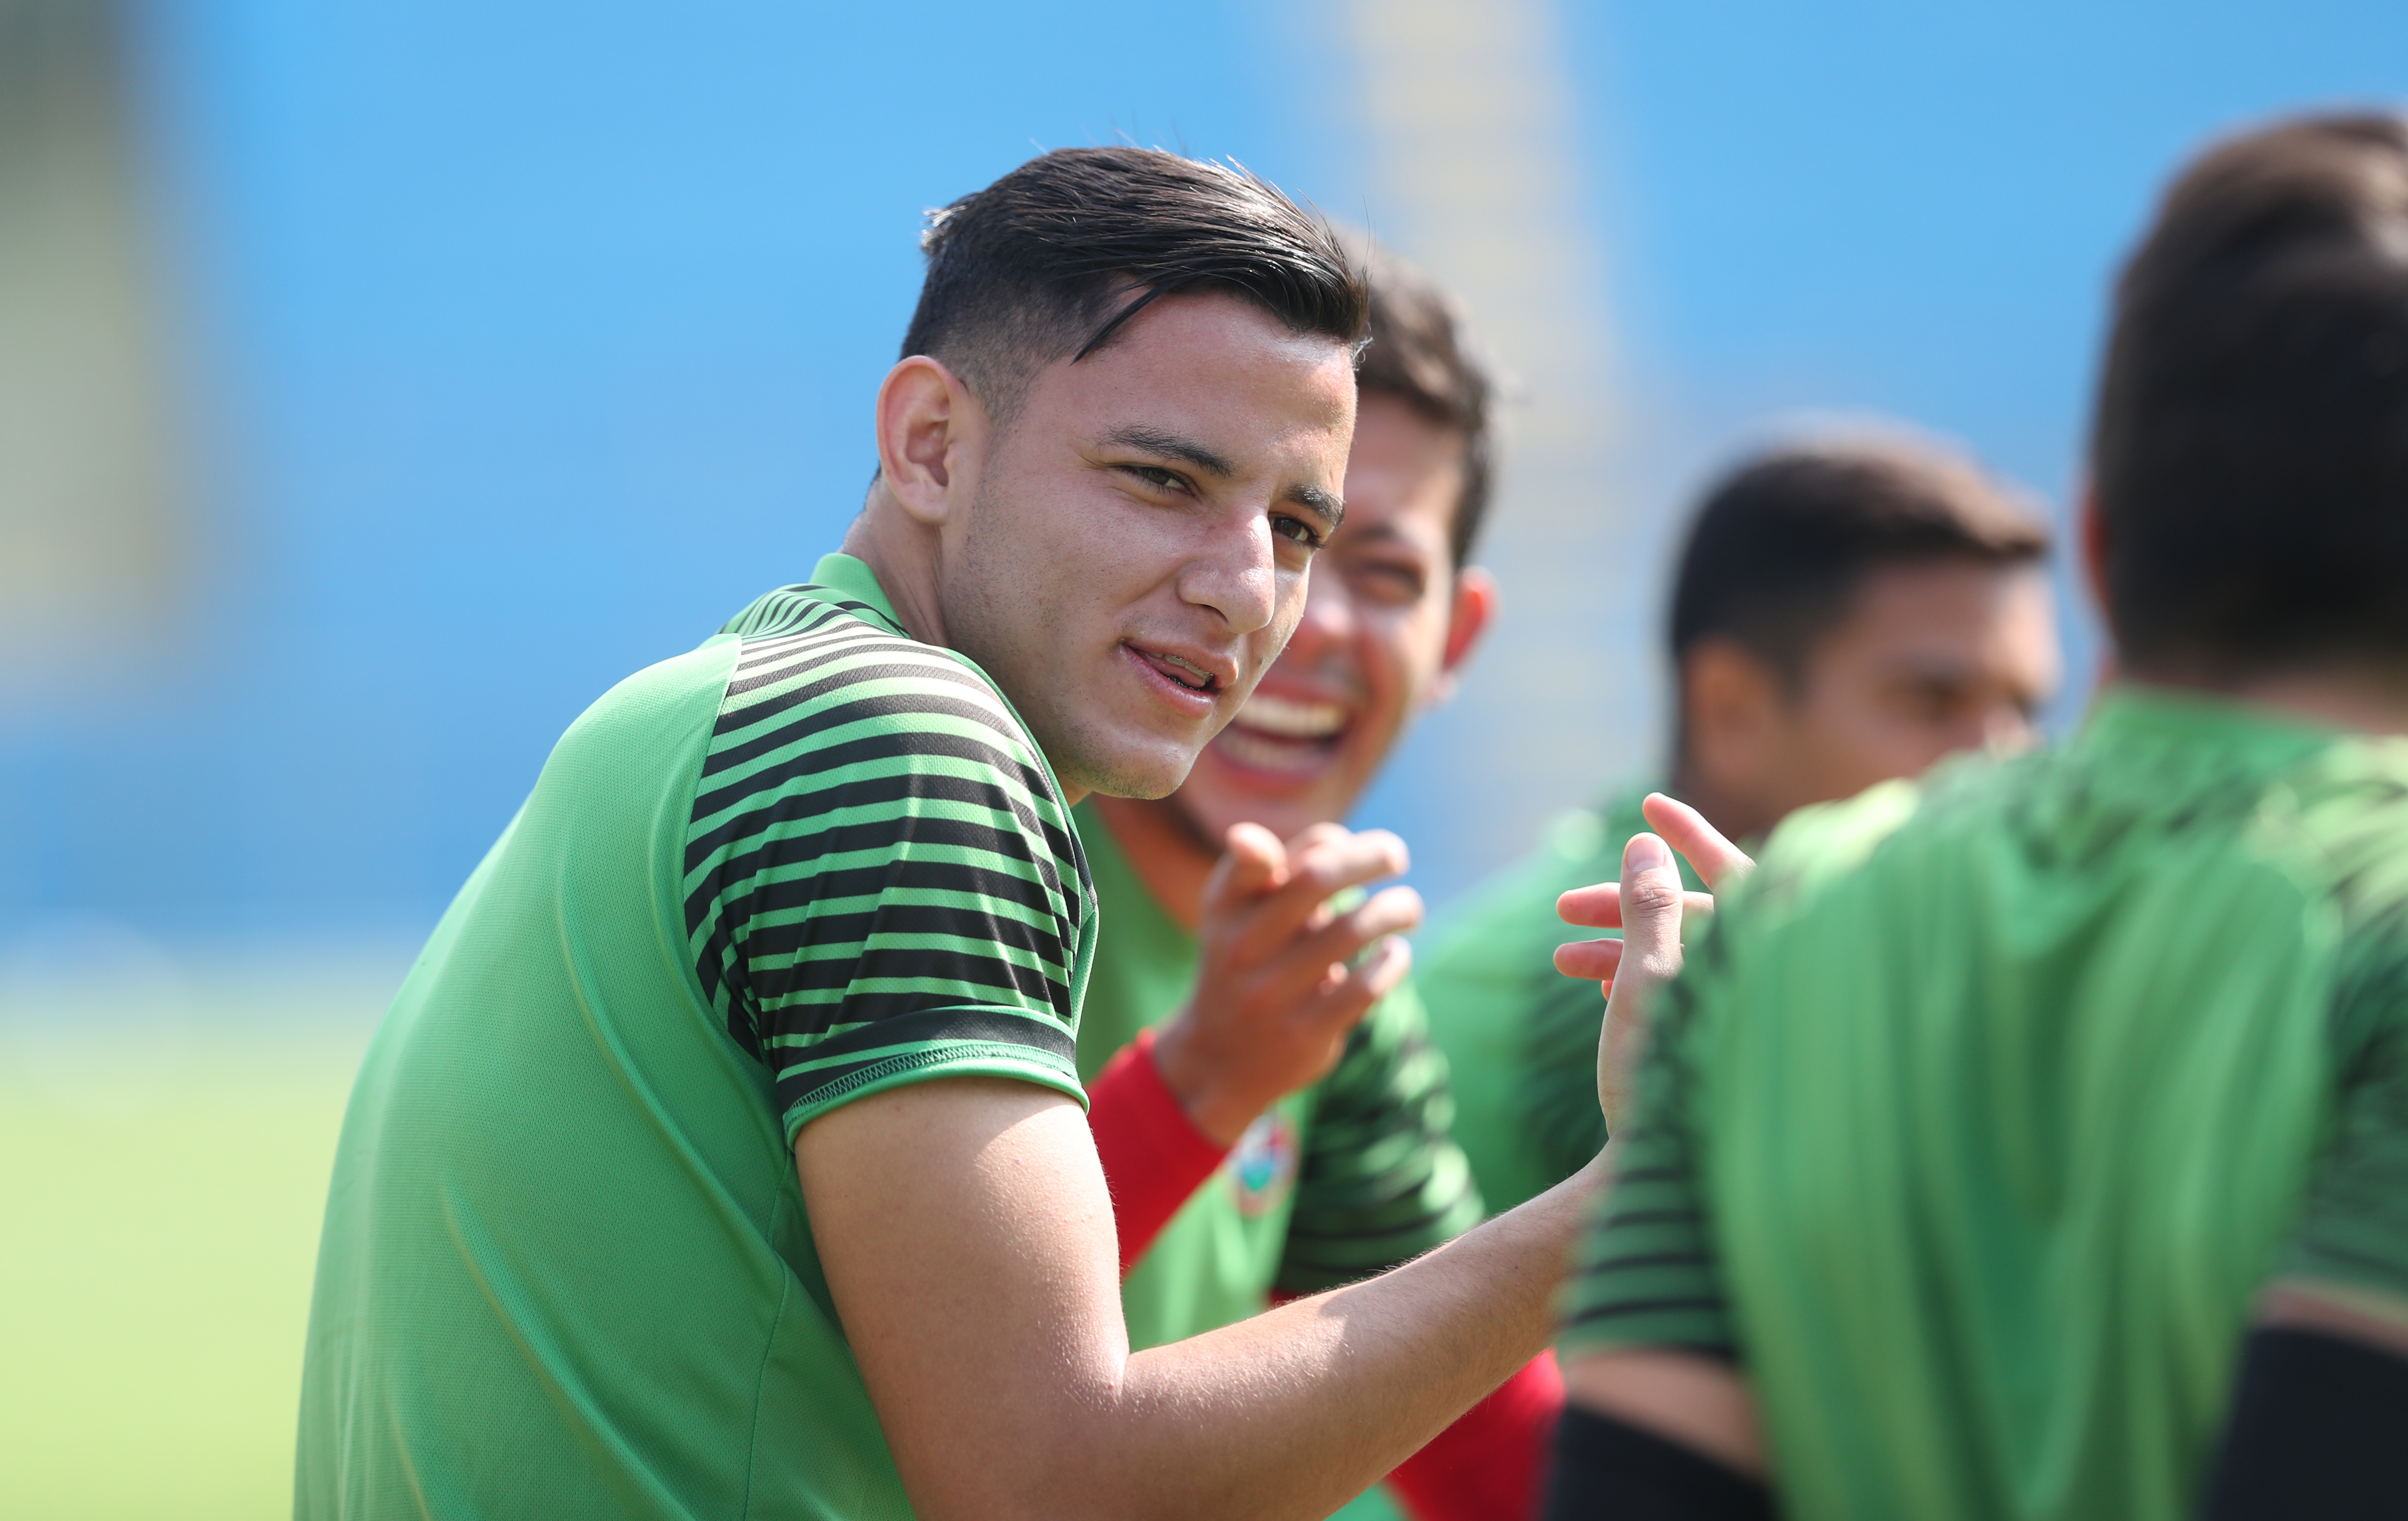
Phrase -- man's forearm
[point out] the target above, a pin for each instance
(1295, 1411)
(967, 1240)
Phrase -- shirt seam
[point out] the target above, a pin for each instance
(823, 1098)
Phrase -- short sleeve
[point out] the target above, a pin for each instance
(2354, 1230)
(1381, 1180)
(882, 885)
(1645, 1272)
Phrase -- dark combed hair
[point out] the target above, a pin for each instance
(1781, 543)
(1054, 259)
(2250, 453)
(1422, 353)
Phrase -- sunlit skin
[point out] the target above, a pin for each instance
(1128, 556)
(1932, 658)
(1388, 624)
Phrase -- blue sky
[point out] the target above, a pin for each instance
(529, 342)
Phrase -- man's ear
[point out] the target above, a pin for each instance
(2092, 530)
(1731, 704)
(932, 434)
(1467, 619)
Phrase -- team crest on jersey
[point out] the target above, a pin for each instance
(1262, 1165)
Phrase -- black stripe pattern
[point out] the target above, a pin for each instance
(880, 876)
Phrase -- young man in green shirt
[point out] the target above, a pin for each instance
(1261, 1143)
(1843, 613)
(2032, 1142)
(724, 1152)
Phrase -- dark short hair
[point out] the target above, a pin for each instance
(2250, 450)
(1052, 259)
(1781, 543)
(1423, 354)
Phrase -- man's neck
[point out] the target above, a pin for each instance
(902, 555)
(1165, 851)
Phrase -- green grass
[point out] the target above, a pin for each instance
(158, 1229)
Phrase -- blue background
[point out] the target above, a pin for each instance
(525, 343)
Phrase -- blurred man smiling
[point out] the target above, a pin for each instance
(1280, 1147)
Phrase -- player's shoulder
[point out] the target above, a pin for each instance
(2349, 805)
(822, 667)
(1818, 845)
(653, 720)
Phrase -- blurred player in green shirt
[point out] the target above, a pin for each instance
(1844, 614)
(2032, 1142)
(1280, 1147)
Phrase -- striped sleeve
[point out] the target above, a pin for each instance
(1382, 1180)
(881, 883)
(1645, 1273)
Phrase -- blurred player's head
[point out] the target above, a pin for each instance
(1115, 440)
(2249, 462)
(1392, 610)
(1848, 612)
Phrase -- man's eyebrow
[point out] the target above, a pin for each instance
(1330, 509)
(1171, 446)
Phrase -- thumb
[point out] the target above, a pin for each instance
(1254, 862)
(1651, 909)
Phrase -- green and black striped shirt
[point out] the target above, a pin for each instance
(809, 861)
(880, 878)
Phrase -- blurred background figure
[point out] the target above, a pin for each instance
(1843, 613)
(379, 382)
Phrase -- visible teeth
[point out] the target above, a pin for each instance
(1266, 753)
(1203, 677)
(1291, 720)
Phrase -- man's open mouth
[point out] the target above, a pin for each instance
(1284, 734)
(1180, 670)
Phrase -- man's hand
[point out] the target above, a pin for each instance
(1277, 989)
(1648, 906)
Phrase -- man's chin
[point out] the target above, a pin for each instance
(1146, 773)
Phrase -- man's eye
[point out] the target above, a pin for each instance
(1298, 530)
(1156, 476)
(1391, 582)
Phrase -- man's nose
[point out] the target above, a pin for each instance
(1235, 572)
(2007, 726)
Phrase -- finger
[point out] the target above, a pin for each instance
(1253, 862)
(1317, 834)
(1315, 874)
(1257, 860)
(1591, 961)
(1393, 911)
(1342, 1004)
(1302, 968)
(1600, 906)
(1652, 901)
(1686, 830)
